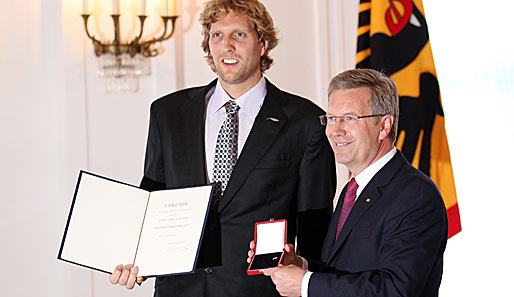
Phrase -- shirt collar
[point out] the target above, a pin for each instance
(249, 103)
(367, 174)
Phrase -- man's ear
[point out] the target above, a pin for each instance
(386, 124)
(265, 45)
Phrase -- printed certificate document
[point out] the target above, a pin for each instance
(113, 223)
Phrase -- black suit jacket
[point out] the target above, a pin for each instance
(393, 240)
(285, 171)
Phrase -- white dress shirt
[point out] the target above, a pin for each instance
(362, 180)
(250, 104)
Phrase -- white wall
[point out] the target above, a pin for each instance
(56, 119)
(34, 152)
(475, 65)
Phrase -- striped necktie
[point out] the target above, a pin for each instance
(348, 202)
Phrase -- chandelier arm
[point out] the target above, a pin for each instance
(164, 37)
(86, 17)
(142, 19)
(116, 43)
(165, 20)
(147, 50)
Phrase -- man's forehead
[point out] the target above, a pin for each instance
(360, 94)
(232, 18)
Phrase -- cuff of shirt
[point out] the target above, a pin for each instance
(305, 283)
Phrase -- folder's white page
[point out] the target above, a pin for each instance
(105, 223)
(172, 231)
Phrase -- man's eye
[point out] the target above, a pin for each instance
(350, 118)
(216, 35)
(240, 34)
(332, 119)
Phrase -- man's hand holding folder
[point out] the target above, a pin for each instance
(126, 275)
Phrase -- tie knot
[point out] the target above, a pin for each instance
(231, 107)
(352, 185)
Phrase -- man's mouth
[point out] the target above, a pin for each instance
(341, 144)
(230, 61)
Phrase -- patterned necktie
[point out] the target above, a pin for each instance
(225, 154)
(348, 202)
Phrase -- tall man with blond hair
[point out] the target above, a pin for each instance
(263, 145)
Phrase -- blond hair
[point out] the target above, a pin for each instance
(215, 10)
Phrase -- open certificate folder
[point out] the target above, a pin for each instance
(113, 223)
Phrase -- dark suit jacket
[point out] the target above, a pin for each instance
(393, 241)
(285, 171)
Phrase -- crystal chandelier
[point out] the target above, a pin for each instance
(122, 62)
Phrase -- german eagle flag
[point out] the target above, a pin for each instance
(393, 38)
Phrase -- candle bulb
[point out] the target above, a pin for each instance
(115, 6)
(173, 8)
(84, 6)
(166, 9)
(143, 7)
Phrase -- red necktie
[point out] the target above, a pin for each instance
(349, 201)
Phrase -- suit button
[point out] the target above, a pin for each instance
(208, 270)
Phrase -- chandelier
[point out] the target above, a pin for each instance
(122, 61)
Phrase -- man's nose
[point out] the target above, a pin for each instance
(227, 44)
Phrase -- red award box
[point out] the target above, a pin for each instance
(270, 238)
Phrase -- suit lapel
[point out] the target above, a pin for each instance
(369, 196)
(366, 199)
(193, 140)
(268, 123)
